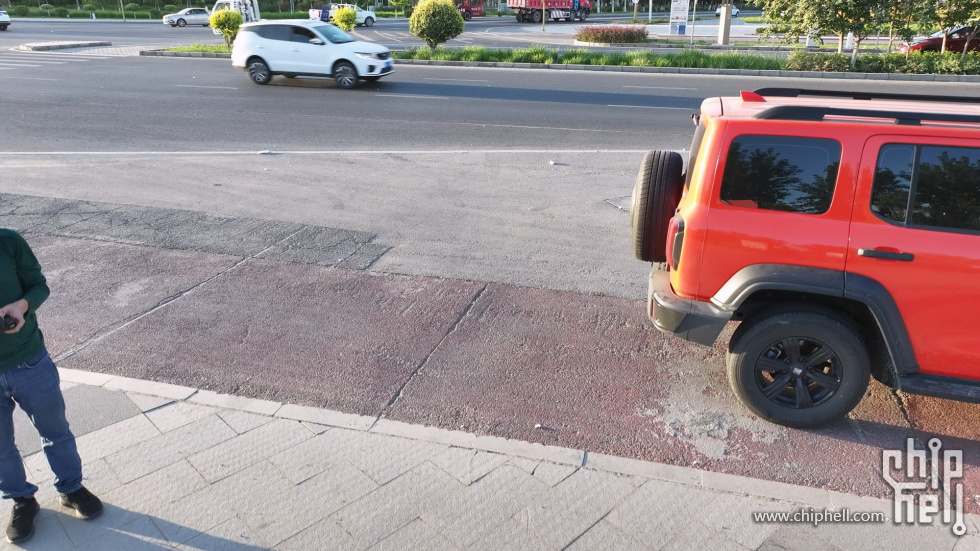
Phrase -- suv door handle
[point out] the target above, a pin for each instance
(886, 255)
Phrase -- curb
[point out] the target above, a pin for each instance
(686, 476)
(48, 46)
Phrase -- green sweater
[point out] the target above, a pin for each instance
(20, 278)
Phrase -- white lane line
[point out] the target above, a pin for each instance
(54, 55)
(19, 65)
(660, 87)
(409, 96)
(457, 79)
(25, 78)
(195, 86)
(322, 152)
(654, 107)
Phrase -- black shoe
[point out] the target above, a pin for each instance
(21, 526)
(86, 505)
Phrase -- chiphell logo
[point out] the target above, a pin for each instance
(921, 482)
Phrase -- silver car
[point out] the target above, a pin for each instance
(188, 16)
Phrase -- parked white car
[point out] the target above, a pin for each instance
(363, 17)
(188, 16)
(301, 47)
(4, 19)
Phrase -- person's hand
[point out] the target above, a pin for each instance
(16, 311)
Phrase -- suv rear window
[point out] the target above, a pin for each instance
(944, 182)
(781, 173)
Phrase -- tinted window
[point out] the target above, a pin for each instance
(947, 188)
(893, 180)
(781, 173)
(274, 32)
(302, 35)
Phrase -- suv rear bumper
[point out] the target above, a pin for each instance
(692, 320)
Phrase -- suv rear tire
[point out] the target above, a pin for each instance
(258, 71)
(655, 197)
(798, 367)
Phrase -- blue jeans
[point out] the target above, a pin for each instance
(35, 386)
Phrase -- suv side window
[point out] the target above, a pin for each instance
(303, 35)
(944, 182)
(274, 32)
(781, 173)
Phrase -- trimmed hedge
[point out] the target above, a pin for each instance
(609, 34)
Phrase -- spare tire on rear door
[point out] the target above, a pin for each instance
(655, 197)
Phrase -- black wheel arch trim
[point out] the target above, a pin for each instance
(832, 283)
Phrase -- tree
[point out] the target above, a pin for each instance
(839, 17)
(401, 4)
(436, 21)
(345, 18)
(950, 13)
(226, 22)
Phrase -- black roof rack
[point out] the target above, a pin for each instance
(797, 92)
(817, 113)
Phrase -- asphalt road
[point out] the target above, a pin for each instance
(503, 296)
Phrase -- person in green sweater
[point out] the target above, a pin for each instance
(29, 378)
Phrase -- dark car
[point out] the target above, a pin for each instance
(955, 41)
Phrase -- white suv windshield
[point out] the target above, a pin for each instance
(333, 34)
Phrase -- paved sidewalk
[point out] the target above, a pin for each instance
(181, 468)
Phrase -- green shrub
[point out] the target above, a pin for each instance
(131, 7)
(170, 8)
(89, 7)
(47, 7)
(609, 34)
(226, 22)
(156, 14)
(20, 11)
(345, 18)
(61, 12)
(436, 21)
(801, 60)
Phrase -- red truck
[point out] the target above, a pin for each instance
(470, 8)
(530, 11)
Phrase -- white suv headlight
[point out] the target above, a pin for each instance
(363, 55)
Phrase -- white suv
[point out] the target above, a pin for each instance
(302, 47)
(4, 19)
(362, 17)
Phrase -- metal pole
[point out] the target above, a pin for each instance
(649, 10)
(544, 16)
(694, 19)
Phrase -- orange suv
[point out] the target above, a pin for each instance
(840, 229)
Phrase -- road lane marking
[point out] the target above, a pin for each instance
(25, 78)
(409, 96)
(197, 86)
(653, 107)
(457, 79)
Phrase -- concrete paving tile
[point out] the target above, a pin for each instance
(208, 398)
(860, 504)
(692, 535)
(243, 421)
(796, 537)
(468, 465)
(510, 535)
(392, 456)
(231, 535)
(315, 428)
(395, 504)
(168, 448)
(84, 532)
(216, 503)
(529, 449)
(732, 516)
(416, 535)
(888, 536)
(178, 414)
(421, 432)
(307, 459)
(967, 543)
(553, 473)
(647, 469)
(146, 403)
(814, 497)
(657, 511)
(49, 535)
(139, 535)
(98, 477)
(524, 464)
(314, 537)
(470, 515)
(298, 508)
(603, 536)
(325, 417)
(156, 492)
(563, 513)
(83, 377)
(247, 449)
